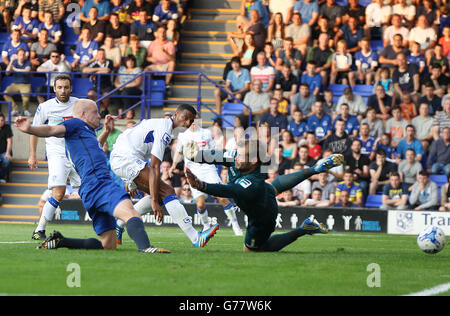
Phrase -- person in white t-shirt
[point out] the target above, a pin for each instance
(423, 34)
(205, 172)
(53, 112)
(148, 140)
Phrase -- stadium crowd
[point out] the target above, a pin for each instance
(290, 56)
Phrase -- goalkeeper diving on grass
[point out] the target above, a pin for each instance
(255, 197)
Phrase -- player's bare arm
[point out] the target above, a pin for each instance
(24, 125)
(154, 183)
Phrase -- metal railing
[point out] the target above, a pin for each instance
(147, 99)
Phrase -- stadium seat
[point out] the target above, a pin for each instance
(37, 82)
(342, 3)
(69, 35)
(439, 179)
(363, 90)
(376, 45)
(374, 201)
(228, 121)
(364, 3)
(338, 90)
(156, 91)
(6, 81)
(4, 37)
(232, 108)
(81, 86)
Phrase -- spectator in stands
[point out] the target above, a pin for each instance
(126, 73)
(274, 118)
(315, 150)
(406, 78)
(376, 18)
(328, 103)
(289, 55)
(339, 142)
(186, 195)
(286, 81)
(27, 25)
(165, 11)
(356, 103)
(299, 32)
(344, 200)
(321, 55)
(40, 51)
(258, 100)
(439, 58)
(52, 67)
(144, 28)
(316, 199)
(96, 26)
(350, 121)
(395, 194)
(118, 31)
(56, 7)
(53, 28)
(312, 78)
(445, 197)
(381, 102)
(423, 124)
(290, 149)
(444, 41)
(135, 49)
(410, 141)
(103, 67)
(320, 122)
(395, 28)
(11, 47)
(333, 13)
(375, 124)
(352, 33)
(383, 78)
(113, 52)
(430, 98)
(276, 31)
(161, 54)
(244, 20)
(341, 65)
(135, 6)
(409, 168)
(358, 164)
(103, 10)
(288, 199)
(355, 10)
(254, 27)
(396, 126)
(442, 119)
(302, 190)
(327, 188)
(85, 51)
(172, 33)
(297, 126)
(247, 53)
(439, 156)
(351, 187)
(388, 56)
(406, 11)
(439, 80)
(308, 10)
(263, 72)
(384, 143)
(237, 83)
(380, 169)
(423, 34)
(367, 141)
(112, 137)
(7, 12)
(408, 108)
(366, 61)
(424, 193)
(303, 100)
(6, 143)
(415, 57)
(21, 82)
(304, 158)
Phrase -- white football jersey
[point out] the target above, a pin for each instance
(204, 140)
(53, 112)
(147, 138)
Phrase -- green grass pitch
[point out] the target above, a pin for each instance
(332, 264)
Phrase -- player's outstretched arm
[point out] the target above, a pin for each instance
(23, 124)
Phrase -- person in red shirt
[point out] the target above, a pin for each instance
(444, 41)
(315, 150)
(408, 107)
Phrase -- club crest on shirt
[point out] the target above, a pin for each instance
(166, 139)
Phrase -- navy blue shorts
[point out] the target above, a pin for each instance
(101, 202)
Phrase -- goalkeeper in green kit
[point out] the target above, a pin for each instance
(256, 197)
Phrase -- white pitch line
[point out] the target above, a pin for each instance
(17, 242)
(442, 288)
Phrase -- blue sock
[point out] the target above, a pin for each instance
(136, 230)
(74, 243)
(278, 242)
(228, 206)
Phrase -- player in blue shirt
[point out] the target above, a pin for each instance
(102, 197)
(27, 25)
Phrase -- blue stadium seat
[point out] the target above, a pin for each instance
(374, 201)
(37, 82)
(439, 179)
(6, 81)
(338, 90)
(376, 45)
(364, 3)
(69, 35)
(232, 108)
(156, 90)
(342, 3)
(157, 95)
(228, 121)
(81, 86)
(363, 90)
(4, 37)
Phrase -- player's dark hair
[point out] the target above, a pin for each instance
(63, 77)
(187, 107)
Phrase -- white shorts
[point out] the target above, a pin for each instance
(208, 177)
(127, 168)
(59, 170)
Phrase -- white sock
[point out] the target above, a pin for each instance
(48, 211)
(231, 214)
(204, 217)
(143, 206)
(178, 213)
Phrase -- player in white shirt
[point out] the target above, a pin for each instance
(52, 112)
(148, 140)
(204, 140)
